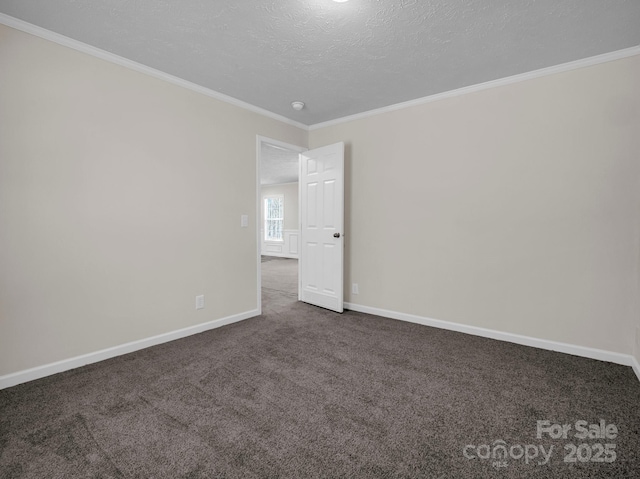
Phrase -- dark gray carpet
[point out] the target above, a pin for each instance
(302, 392)
(279, 275)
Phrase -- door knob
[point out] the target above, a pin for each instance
(336, 235)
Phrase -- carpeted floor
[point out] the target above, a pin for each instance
(280, 275)
(301, 392)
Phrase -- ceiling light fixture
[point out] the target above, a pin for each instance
(297, 105)
(340, 1)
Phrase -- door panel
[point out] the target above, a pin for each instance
(322, 225)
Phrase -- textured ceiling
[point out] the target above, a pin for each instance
(340, 58)
(277, 165)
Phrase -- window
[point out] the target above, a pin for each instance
(273, 218)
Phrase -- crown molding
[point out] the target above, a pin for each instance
(563, 67)
(140, 68)
(113, 58)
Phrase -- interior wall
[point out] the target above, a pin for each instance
(637, 347)
(120, 201)
(290, 193)
(513, 209)
(637, 331)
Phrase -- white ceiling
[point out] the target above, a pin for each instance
(277, 165)
(340, 58)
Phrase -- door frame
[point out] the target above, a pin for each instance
(260, 140)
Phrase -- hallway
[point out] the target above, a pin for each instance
(279, 283)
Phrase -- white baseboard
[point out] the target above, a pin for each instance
(72, 363)
(592, 353)
(636, 366)
(78, 361)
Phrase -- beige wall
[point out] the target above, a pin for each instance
(637, 336)
(513, 208)
(120, 200)
(290, 193)
(637, 331)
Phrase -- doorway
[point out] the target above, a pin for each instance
(278, 221)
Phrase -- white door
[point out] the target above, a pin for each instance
(322, 226)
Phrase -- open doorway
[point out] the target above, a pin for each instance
(278, 221)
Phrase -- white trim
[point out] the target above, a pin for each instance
(110, 57)
(259, 140)
(582, 351)
(636, 366)
(140, 68)
(564, 67)
(287, 248)
(281, 144)
(78, 361)
(280, 184)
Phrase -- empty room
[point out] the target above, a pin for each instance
(320, 238)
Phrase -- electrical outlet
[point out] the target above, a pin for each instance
(355, 289)
(200, 301)
(638, 339)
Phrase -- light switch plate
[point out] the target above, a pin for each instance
(200, 301)
(244, 221)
